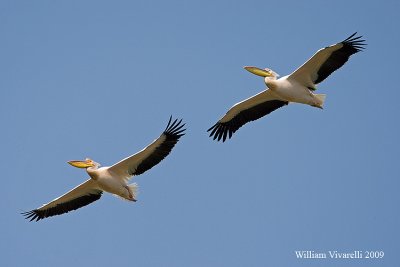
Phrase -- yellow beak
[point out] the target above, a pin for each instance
(81, 163)
(259, 72)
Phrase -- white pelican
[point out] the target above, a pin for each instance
(297, 87)
(112, 179)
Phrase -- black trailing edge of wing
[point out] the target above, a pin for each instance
(66, 207)
(224, 130)
(339, 57)
(172, 133)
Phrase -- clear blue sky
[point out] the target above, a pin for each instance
(100, 79)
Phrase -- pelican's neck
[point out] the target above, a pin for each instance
(92, 171)
(271, 82)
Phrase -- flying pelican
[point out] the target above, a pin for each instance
(297, 87)
(112, 179)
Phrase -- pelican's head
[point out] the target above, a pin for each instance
(83, 163)
(262, 72)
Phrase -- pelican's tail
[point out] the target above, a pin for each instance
(320, 100)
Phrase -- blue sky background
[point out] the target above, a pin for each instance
(100, 79)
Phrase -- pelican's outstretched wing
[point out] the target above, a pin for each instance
(78, 197)
(152, 154)
(327, 60)
(243, 112)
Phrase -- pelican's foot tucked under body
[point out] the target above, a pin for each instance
(132, 190)
(314, 100)
(320, 100)
(317, 106)
(111, 179)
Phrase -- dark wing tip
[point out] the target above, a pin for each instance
(172, 133)
(32, 215)
(39, 214)
(175, 130)
(212, 127)
(223, 131)
(355, 43)
(351, 45)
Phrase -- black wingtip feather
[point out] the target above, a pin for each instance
(169, 122)
(225, 130)
(351, 45)
(173, 132)
(175, 129)
(38, 214)
(354, 44)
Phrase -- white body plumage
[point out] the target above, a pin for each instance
(289, 89)
(113, 179)
(297, 87)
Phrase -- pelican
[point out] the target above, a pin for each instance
(297, 87)
(112, 179)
